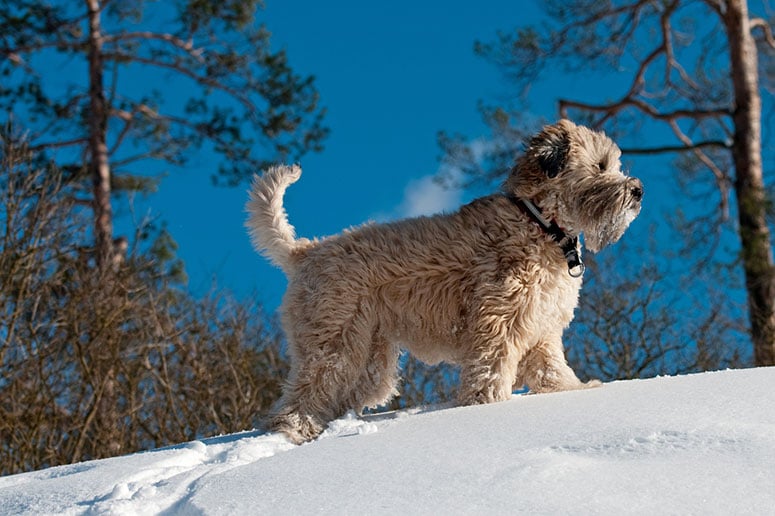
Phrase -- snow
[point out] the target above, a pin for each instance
(698, 444)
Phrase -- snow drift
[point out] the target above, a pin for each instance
(695, 444)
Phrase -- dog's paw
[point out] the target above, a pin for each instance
(297, 428)
(483, 396)
(568, 384)
(592, 384)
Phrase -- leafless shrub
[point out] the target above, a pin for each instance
(635, 321)
(94, 363)
(423, 384)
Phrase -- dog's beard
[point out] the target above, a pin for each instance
(603, 210)
(607, 232)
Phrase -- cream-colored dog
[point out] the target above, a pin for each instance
(490, 287)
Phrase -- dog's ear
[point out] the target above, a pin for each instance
(551, 148)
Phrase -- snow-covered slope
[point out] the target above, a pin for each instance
(700, 444)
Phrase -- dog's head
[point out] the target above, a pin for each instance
(574, 175)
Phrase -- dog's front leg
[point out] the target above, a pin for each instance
(484, 382)
(488, 371)
(544, 369)
(493, 348)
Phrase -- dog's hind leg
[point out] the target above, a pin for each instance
(295, 415)
(377, 384)
(331, 372)
(310, 394)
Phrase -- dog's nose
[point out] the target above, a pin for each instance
(636, 189)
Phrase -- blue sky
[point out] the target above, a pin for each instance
(391, 75)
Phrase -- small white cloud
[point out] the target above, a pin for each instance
(424, 196)
(427, 196)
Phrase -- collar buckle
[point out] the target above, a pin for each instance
(568, 245)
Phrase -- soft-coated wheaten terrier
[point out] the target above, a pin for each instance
(490, 287)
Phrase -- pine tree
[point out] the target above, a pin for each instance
(150, 81)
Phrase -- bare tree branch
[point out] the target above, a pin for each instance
(57, 144)
(628, 101)
(605, 13)
(717, 6)
(722, 181)
(666, 149)
(631, 100)
(761, 23)
(671, 63)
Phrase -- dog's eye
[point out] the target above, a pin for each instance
(602, 165)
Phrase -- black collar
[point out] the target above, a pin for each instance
(568, 244)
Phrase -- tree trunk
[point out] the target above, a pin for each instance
(99, 167)
(106, 418)
(749, 184)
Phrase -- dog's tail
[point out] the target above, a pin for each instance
(271, 233)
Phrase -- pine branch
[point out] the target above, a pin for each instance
(199, 79)
(185, 45)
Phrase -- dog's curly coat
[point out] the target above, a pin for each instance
(485, 287)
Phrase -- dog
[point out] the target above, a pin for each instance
(490, 287)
